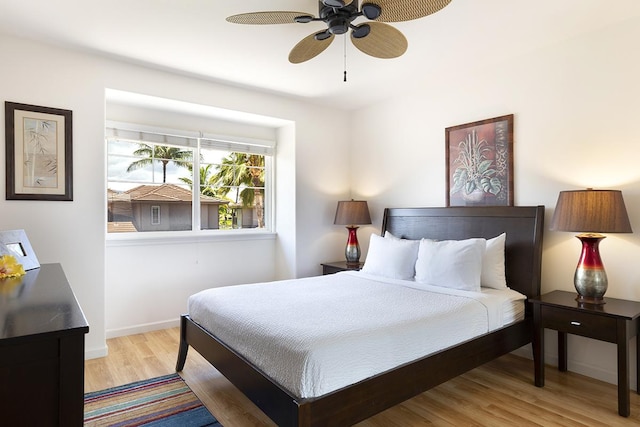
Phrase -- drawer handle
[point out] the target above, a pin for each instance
(574, 323)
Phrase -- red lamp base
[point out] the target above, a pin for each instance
(590, 278)
(352, 250)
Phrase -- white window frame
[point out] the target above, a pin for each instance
(224, 142)
(155, 213)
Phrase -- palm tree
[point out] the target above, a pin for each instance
(243, 170)
(163, 154)
(208, 188)
(206, 181)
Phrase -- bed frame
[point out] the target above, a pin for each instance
(349, 405)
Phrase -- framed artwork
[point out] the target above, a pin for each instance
(479, 163)
(38, 153)
(16, 243)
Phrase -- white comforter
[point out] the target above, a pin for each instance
(319, 334)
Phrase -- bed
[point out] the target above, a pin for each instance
(349, 404)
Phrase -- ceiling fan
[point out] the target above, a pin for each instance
(372, 37)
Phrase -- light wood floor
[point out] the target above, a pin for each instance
(500, 393)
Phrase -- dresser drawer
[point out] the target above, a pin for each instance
(579, 323)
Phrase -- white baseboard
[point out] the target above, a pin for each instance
(139, 329)
(96, 353)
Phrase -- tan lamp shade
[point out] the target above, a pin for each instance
(596, 211)
(352, 212)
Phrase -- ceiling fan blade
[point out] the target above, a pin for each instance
(266, 18)
(383, 41)
(309, 47)
(406, 10)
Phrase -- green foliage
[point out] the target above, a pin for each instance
(164, 155)
(474, 171)
(241, 170)
(244, 172)
(238, 171)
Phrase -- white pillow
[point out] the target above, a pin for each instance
(455, 264)
(493, 266)
(493, 270)
(388, 235)
(392, 258)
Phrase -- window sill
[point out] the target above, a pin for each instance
(180, 237)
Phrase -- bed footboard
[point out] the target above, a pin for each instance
(360, 401)
(278, 404)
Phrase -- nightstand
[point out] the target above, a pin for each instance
(616, 322)
(337, 266)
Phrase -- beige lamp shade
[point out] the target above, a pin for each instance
(596, 211)
(352, 212)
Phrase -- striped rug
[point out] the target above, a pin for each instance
(159, 402)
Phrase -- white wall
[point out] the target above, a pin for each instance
(576, 113)
(575, 106)
(70, 233)
(148, 286)
(170, 269)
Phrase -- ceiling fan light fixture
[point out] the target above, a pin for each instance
(371, 11)
(338, 26)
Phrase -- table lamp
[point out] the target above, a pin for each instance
(591, 212)
(352, 213)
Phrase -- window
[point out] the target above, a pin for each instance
(151, 170)
(155, 215)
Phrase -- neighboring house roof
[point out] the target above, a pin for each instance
(167, 193)
(114, 196)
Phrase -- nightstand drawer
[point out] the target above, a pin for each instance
(578, 323)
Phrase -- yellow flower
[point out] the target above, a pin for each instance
(9, 267)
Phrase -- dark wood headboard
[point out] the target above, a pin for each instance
(523, 225)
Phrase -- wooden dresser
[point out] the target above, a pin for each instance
(42, 330)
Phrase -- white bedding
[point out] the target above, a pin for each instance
(318, 334)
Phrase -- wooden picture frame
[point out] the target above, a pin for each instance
(16, 243)
(38, 153)
(479, 163)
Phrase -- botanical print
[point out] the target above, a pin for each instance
(40, 144)
(479, 164)
(38, 151)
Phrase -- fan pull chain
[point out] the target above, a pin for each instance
(345, 57)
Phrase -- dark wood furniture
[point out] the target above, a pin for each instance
(42, 332)
(349, 405)
(338, 266)
(616, 322)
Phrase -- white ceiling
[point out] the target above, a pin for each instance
(192, 37)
